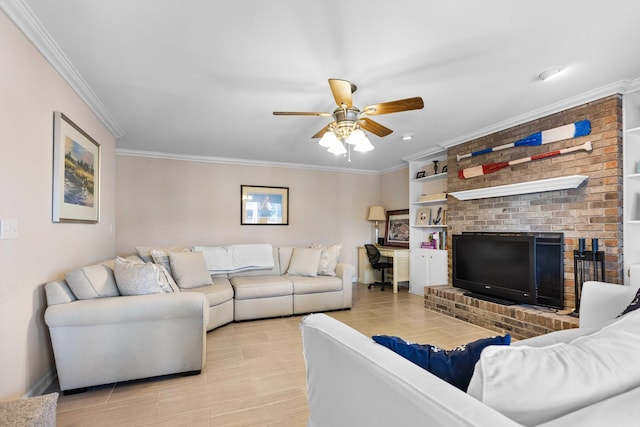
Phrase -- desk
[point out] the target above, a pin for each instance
(400, 257)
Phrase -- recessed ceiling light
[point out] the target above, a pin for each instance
(550, 73)
(407, 137)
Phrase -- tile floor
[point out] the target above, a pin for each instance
(255, 372)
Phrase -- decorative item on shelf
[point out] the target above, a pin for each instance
(445, 169)
(435, 167)
(423, 216)
(444, 217)
(438, 218)
(573, 130)
(433, 196)
(431, 244)
(421, 174)
(376, 213)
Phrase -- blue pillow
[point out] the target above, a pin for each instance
(454, 366)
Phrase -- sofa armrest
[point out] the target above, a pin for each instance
(107, 340)
(346, 272)
(601, 302)
(127, 309)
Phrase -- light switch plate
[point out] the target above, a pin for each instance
(8, 229)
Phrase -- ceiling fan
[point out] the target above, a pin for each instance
(348, 123)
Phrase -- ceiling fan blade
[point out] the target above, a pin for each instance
(322, 131)
(300, 113)
(341, 90)
(394, 106)
(374, 127)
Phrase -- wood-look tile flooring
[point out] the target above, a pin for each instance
(255, 372)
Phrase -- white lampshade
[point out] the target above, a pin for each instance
(337, 148)
(363, 145)
(376, 213)
(355, 137)
(328, 139)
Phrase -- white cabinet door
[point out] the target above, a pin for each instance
(418, 271)
(428, 267)
(438, 269)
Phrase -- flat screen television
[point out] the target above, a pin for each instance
(501, 266)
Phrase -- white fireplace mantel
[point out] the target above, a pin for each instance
(551, 184)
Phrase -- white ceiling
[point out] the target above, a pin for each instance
(202, 78)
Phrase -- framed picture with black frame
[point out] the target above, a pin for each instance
(260, 205)
(397, 228)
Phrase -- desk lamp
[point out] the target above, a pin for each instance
(376, 213)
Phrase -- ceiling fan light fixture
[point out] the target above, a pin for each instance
(328, 139)
(355, 137)
(337, 148)
(364, 145)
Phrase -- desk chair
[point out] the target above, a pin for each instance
(374, 259)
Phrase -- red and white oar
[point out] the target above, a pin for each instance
(493, 167)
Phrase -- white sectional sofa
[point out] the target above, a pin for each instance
(103, 333)
(578, 377)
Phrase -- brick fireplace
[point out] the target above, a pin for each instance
(593, 210)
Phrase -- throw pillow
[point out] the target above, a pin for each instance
(161, 257)
(532, 385)
(92, 281)
(189, 269)
(328, 259)
(134, 278)
(304, 262)
(453, 366)
(633, 305)
(144, 252)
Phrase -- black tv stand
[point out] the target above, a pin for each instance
(489, 298)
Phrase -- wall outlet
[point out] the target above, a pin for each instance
(8, 229)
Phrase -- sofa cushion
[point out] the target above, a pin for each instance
(250, 287)
(314, 285)
(92, 281)
(454, 366)
(275, 271)
(136, 278)
(144, 252)
(328, 259)
(217, 293)
(304, 262)
(189, 269)
(532, 385)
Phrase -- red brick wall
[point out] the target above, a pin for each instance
(594, 210)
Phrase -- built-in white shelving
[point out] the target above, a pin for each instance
(426, 266)
(631, 183)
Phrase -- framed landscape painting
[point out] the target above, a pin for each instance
(397, 228)
(264, 205)
(76, 173)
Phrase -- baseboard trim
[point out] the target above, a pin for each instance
(41, 386)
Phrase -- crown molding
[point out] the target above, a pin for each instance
(238, 162)
(23, 17)
(621, 86)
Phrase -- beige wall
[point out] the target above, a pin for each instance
(31, 91)
(163, 201)
(394, 191)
